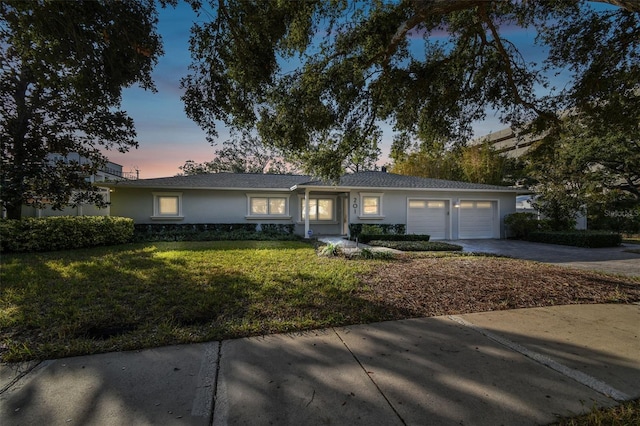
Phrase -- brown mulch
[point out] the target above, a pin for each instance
(457, 285)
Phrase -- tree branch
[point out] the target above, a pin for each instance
(424, 9)
(630, 5)
(508, 67)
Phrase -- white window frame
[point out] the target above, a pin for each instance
(285, 215)
(157, 214)
(333, 199)
(380, 213)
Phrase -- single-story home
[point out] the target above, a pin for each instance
(446, 210)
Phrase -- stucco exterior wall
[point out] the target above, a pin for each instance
(198, 206)
(224, 206)
(394, 206)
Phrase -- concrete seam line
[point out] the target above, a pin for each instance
(580, 377)
(24, 373)
(369, 376)
(205, 389)
(214, 395)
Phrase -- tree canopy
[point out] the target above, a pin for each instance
(63, 68)
(243, 154)
(319, 77)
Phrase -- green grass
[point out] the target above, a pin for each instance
(144, 295)
(625, 414)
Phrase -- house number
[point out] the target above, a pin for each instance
(355, 205)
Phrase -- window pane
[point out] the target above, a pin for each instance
(325, 209)
(436, 204)
(258, 206)
(466, 204)
(371, 205)
(277, 205)
(168, 205)
(313, 209)
(414, 204)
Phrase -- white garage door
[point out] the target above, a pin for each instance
(477, 219)
(427, 217)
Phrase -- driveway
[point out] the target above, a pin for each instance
(615, 260)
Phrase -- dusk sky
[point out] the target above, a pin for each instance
(167, 137)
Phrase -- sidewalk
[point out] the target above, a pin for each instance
(521, 367)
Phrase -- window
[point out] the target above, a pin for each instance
(371, 205)
(319, 209)
(435, 204)
(267, 205)
(424, 204)
(167, 205)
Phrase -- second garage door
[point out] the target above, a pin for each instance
(477, 219)
(427, 217)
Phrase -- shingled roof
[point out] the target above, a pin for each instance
(218, 181)
(247, 181)
(390, 180)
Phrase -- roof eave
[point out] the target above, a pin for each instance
(382, 188)
(207, 188)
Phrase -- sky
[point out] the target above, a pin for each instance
(167, 137)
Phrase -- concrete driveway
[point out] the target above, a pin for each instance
(615, 260)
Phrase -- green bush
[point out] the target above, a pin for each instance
(365, 238)
(416, 245)
(371, 255)
(520, 225)
(591, 239)
(63, 233)
(278, 228)
(356, 229)
(214, 232)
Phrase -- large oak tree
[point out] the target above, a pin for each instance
(319, 77)
(63, 68)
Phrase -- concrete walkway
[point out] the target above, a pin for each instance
(615, 260)
(523, 367)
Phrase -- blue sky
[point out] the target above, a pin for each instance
(168, 138)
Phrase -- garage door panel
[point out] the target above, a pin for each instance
(476, 219)
(427, 217)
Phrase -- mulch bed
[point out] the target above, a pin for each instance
(456, 285)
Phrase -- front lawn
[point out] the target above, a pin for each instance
(144, 295)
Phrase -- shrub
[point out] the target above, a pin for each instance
(521, 225)
(63, 233)
(591, 239)
(214, 232)
(356, 229)
(329, 250)
(416, 245)
(365, 238)
(373, 254)
(278, 228)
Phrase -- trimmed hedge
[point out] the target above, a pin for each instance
(356, 229)
(63, 233)
(416, 245)
(365, 238)
(214, 232)
(591, 239)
